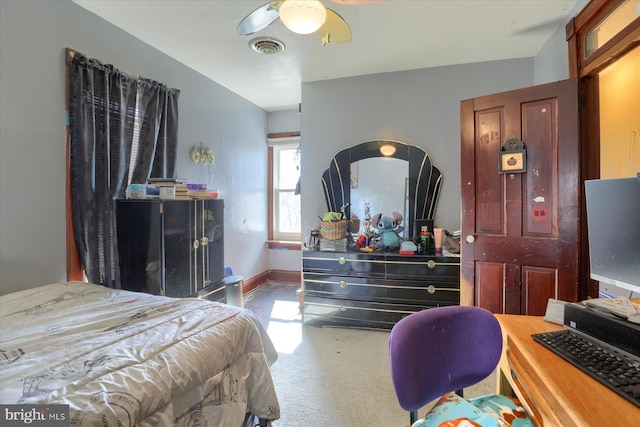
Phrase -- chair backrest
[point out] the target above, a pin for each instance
(443, 349)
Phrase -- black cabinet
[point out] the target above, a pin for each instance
(172, 247)
(375, 290)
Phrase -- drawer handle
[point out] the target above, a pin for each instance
(431, 289)
(343, 308)
(343, 284)
(342, 260)
(431, 264)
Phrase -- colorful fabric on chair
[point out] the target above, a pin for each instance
(492, 410)
(436, 351)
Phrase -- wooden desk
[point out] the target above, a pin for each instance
(554, 392)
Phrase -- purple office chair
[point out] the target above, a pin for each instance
(437, 351)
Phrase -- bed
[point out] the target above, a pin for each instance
(126, 358)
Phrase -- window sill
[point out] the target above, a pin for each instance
(282, 244)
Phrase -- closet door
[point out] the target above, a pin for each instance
(180, 245)
(141, 260)
(520, 230)
(212, 253)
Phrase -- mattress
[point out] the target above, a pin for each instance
(127, 358)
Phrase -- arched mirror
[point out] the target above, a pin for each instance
(389, 175)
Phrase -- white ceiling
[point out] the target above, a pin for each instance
(389, 35)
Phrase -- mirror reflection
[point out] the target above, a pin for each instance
(381, 182)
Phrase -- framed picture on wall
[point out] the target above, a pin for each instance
(511, 162)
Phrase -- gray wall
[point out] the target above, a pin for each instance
(419, 107)
(33, 35)
(283, 121)
(552, 61)
(278, 122)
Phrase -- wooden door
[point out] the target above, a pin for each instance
(520, 231)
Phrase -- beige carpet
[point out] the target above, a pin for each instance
(330, 377)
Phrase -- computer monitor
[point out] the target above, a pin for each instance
(613, 228)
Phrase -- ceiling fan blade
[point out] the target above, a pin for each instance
(335, 29)
(544, 27)
(356, 2)
(259, 19)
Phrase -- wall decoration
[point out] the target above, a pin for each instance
(202, 155)
(539, 213)
(513, 157)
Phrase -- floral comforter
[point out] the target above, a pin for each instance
(126, 358)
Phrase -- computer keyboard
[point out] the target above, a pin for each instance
(615, 370)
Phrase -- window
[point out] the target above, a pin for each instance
(285, 200)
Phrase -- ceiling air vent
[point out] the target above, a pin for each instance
(266, 45)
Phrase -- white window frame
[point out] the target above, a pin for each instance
(278, 144)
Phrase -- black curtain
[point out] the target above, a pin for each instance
(102, 120)
(158, 110)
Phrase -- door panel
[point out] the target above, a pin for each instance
(140, 245)
(179, 252)
(540, 201)
(490, 295)
(489, 196)
(213, 230)
(537, 284)
(522, 227)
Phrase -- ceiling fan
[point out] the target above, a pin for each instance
(302, 17)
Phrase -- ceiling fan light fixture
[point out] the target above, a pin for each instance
(303, 16)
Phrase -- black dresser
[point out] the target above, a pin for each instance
(172, 247)
(375, 290)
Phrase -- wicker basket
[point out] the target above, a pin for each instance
(333, 230)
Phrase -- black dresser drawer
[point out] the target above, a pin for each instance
(375, 290)
(422, 291)
(433, 268)
(328, 311)
(357, 288)
(344, 264)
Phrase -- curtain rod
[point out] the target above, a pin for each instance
(71, 53)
